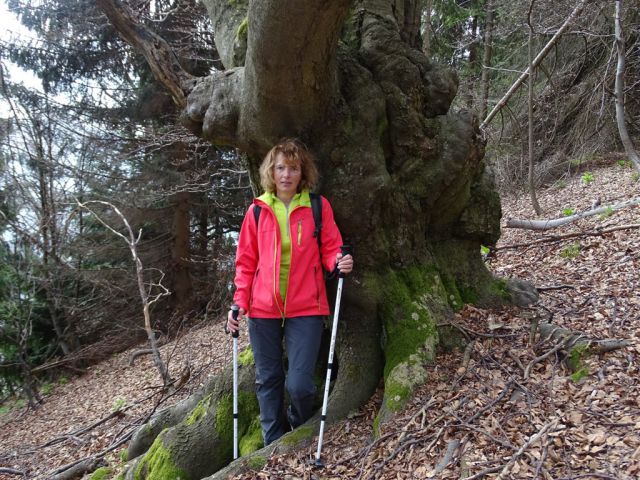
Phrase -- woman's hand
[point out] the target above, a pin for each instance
(344, 263)
(233, 325)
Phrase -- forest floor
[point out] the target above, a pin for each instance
(509, 412)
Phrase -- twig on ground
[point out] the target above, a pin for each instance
(11, 471)
(452, 448)
(554, 287)
(83, 430)
(533, 439)
(466, 331)
(503, 394)
(565, 341)
(516, 359)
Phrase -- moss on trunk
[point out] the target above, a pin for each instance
(201, 443)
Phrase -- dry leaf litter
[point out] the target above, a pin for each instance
(507, 407)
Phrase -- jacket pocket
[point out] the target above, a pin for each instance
(253, 288)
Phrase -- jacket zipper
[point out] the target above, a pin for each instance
(275, 260)
(291, 259)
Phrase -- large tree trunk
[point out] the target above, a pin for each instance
(405, 177)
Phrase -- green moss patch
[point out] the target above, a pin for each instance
(157, 464)
(257, 462)
(101, 474)
(298, 435)
(408, 299)
(199, 411)
(246, 357)
(575, 362)
(412, 300)
(252, 440)
(248, 409)
(243, 28)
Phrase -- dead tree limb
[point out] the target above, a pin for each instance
(558, 238)
(11, 471)
(561, 345)
(549, 224)
(548, 331)
(533, 439)
(452, 448)
(543, 53)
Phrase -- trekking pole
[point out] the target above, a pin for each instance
(235, 310)
(345, 249)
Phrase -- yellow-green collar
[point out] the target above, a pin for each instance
(299, 199)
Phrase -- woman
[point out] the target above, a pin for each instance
(280, 284)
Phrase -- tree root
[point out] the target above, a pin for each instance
(79, 469)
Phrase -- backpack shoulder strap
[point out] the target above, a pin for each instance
(316, 207)
(256, 213)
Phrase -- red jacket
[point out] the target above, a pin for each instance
(258, 263)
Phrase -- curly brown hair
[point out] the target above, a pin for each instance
(295, 153)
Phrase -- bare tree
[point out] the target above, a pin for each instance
(145, 290)
(532, 180)
(619, 90)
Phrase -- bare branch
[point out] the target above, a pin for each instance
(549, 224)
(543, 53)
(163, 62)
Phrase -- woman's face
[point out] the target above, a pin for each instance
(287, 175)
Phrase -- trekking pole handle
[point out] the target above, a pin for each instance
(235, 311)
(344, 250)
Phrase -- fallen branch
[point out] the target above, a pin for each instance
(464, 368)
(467, 332)
(557, 238)
(578, 339)
(11, 471)
(452, 447)
(484, 473)
(495, 401)
(533, 439)
(549, 224)
(565, 341)
(138, 353)
(554, 287)
(60, 473)
(80, 431)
